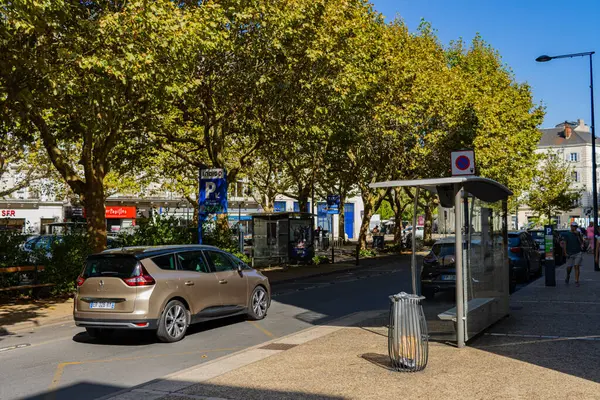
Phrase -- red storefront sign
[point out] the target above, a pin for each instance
(8, 213)
(120, 212)
(116, 212)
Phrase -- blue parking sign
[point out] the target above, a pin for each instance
(212, 198)
(333, 204)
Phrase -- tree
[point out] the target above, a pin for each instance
(26, 163)
(552, 189)
(88, 80)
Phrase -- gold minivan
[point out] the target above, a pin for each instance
(166, 288)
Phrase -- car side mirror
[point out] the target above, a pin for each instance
(240, 268)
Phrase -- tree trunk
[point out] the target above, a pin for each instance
(366, 220)
(341, 221)
(95, 215)
(267, 203)
(427, 234)
(303, 198)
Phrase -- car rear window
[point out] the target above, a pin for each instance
(514, 241)
(537, 235)
(443, 249)
(118, 266)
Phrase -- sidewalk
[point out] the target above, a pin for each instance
(548, 348)
(24, 314)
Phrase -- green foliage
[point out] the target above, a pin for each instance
(385, 210)
(157, 231)
(366, 253)
(11, 255)
(65, 261)
(318, 260)
(552, 190)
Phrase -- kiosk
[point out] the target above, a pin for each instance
(481, 245)
(282, 238)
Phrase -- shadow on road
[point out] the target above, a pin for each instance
(143, 338)
(92, 390)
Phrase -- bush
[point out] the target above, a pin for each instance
(64, 262)
(11, 254)
(365, 253)
(157, 231)
(318, 260)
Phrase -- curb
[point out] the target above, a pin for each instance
(24, 326)
(146, 389)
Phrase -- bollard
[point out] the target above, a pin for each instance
(332, 254)
(357, 253)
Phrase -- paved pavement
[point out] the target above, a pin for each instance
(548, 348)
(61, 362)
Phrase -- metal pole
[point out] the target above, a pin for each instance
(413, 259)
(594, 182)
(241, 236)
(460, 301)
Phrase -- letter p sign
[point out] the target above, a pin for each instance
(211, 187)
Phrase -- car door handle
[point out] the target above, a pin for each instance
(189, 283)
(223, 281)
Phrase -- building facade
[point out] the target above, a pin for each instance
(572, 141)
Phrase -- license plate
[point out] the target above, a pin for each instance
(448, 277)
(102, 305)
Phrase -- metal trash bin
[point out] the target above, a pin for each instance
(408, 341)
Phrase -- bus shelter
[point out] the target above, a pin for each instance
(481, 249)
(282, 238)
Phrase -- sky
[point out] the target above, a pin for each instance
(522, 30)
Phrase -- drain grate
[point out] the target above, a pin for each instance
(279, 346)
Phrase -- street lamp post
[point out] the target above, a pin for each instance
(546, 58)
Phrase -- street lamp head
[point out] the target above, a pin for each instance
(543, 58)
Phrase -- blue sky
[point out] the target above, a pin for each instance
(521, 30)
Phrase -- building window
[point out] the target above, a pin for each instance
(574, 157)
(575, 176)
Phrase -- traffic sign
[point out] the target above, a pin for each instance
(463, 162)
(212, 198)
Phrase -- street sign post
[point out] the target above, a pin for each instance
(212, 195)
(463, 162)
(549, 270)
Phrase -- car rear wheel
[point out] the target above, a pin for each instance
(173, 322)
(99, 333)
(259, 303)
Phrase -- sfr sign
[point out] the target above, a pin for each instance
(8, 213)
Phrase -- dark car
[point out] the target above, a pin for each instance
(538, 237)
(439, 271)
(524, 255)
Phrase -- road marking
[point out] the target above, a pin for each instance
(61, 367)
(260, 328)
(16, 346)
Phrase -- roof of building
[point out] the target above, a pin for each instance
(556, 137)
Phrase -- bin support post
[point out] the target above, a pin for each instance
(458, 233)
(413, 259)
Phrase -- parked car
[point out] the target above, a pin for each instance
(439, 268)
(524, 255)
(165, 289)
(539, 238)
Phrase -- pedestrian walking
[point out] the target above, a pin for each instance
(591, 234)
(572, 243)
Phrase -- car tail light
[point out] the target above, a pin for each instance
(80, 280)
(142, 278)
(516, 250)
